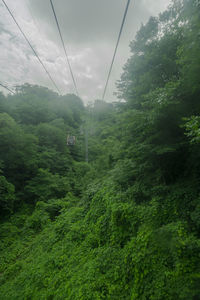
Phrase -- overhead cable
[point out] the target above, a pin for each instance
(68, 62)
(35, 53)
(7, 88)
(113, 59)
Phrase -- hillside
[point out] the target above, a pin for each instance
(125, 224)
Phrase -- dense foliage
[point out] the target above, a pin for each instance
(126, 225)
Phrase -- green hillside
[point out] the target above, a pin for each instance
(126, 224)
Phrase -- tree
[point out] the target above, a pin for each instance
(7, 195)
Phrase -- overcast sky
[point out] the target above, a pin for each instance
(90, 29)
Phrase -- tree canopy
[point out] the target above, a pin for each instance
(126, 225)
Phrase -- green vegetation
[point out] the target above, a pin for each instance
(127, 224)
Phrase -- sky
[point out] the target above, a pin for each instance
(90, 29)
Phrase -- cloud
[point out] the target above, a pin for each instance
(90, 29)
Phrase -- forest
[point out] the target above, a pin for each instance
(126, 224)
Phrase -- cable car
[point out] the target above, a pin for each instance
(71, 140)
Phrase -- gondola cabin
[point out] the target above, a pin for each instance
(71, 140)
